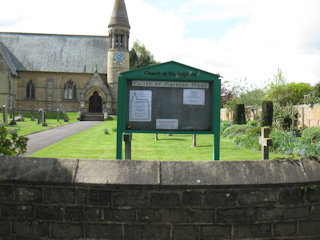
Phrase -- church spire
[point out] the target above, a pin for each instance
(119, 15)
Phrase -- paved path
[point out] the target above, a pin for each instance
(44, 139)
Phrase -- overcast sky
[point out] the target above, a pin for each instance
(236, 38)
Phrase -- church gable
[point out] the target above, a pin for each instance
(96, 84)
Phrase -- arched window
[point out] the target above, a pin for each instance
(70, 90)
(30, 90)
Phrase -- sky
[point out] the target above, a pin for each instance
(242, 40)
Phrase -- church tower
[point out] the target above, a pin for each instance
(118, 54)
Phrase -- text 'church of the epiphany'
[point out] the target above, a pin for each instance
(65, 72)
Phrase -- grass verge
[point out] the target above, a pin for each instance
(99, 142)
(27, 126)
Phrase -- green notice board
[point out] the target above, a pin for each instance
(169, 98)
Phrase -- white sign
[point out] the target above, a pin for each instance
(167, 124)
(194, 96)
(168, 84)
(140, 106)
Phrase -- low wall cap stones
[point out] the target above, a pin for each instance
(120, 172)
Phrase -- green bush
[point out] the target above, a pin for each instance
(235, 130)
(305, 147)
(253, 123)
(283, 142)
(11, 143)
(312, 133)
(250, 140)
(267, 113)
(223, 126)
(239, 114)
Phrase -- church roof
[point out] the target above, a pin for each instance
(119, 15)
(6, 56)
(56, 53)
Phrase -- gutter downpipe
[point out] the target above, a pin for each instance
(57, 84)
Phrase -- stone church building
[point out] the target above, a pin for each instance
(65, 72)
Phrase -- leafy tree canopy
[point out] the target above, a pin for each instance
(243, 92)
(140, 56)
(287, 93)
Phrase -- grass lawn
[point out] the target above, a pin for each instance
(27, 126)
(95, 144)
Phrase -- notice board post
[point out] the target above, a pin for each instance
(169, 98)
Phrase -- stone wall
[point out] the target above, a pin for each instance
(47, 95)
(309, 115)
(4, 83)
(102, 199)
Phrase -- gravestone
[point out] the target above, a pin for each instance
(58, 115)
(265, 142)
(5, 115)
(32, 116)
(44, 124)
(13, 121)
(40, 116)
(65, 118)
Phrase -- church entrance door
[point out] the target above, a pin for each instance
(95, 103)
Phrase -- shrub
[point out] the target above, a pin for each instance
(252, 123)
(234, 130)
(223, 126)
(267, 113)
(11, 143)
(305, 147)
(239, 116)
(248, 141)
(312, 133)
(283, 142)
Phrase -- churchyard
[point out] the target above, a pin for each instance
(237, 143)
(30, 122)
(99, 142)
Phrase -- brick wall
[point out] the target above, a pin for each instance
(92, 199)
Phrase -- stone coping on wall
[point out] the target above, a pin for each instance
(173, 173)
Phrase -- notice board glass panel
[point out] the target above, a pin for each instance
(156, 105)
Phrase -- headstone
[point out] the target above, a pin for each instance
(44, 124)
(40, 116)
(127, 137)
(5, 115)
(65, 118)
(32, 116)
(58, 115)
(194, 140)
(156, 137)
(13, 121)
(11, 112)
(265, 142)
(19, 118)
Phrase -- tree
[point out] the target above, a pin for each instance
(11, 143)
(239, 114)
(284, 93)
(316, 93)
(243, 92)
(226, 95)
(140, 56)
(267, 113)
